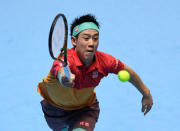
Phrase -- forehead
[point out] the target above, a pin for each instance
(89, 32)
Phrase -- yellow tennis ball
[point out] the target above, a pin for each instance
(123, 75)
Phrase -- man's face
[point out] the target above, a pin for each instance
(86, 45)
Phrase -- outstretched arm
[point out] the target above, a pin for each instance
(147, 100)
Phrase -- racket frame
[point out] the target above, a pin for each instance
(64, 48)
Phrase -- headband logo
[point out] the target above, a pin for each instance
(76, 30)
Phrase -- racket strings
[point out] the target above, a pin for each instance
(58, 38)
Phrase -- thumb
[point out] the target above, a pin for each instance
(143, 105)
(72, 77)
(143, 108)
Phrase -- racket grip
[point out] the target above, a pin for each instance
(66, 71)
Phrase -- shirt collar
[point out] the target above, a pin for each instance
(94, 66)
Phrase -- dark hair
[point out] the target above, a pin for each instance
(82, 19)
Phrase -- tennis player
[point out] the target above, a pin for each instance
(71, 104)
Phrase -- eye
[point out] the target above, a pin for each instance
(95, 38)
(86, 38)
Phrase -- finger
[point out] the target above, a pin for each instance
(143, 108)
(72, 78)
(148, 108)
(65, 79)
(67, 82)
(72, 82)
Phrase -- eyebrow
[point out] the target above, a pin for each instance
(90, 35)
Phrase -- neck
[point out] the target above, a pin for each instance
(88, 62)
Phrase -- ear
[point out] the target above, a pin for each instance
(74, 40)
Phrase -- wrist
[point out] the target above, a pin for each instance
(146, 93)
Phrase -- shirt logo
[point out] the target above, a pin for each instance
(94, 74)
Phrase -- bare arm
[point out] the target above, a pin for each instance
(147, 100)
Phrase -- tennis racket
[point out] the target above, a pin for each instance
(58, 36)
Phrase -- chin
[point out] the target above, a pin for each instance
(90, 55)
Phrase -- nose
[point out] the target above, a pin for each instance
(91, 43)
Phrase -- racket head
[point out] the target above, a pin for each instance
(58, 38)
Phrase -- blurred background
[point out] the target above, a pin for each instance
(142, 34)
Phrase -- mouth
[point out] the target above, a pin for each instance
(90, 51)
